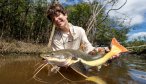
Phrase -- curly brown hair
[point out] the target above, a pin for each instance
(55, 9)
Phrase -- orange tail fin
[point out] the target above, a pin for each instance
(117, 46)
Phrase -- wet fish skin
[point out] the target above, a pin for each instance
(67, 57)
(64, 56)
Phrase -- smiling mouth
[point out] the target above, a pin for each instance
(59, 23)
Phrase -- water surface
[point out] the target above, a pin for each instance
(19, 69)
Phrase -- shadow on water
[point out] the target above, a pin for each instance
(19, 69)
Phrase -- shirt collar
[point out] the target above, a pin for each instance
(72, 31)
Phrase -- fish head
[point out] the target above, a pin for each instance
(57, 57)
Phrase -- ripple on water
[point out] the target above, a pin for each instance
(137, 75)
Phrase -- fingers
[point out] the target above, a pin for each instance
(102, 50)
(93, 52)
(106, 49)
(115, 56)
(99, 50)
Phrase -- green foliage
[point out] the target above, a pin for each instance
(26, 20)
(109, 29)
(136, 45)
(136, 42)
(79, 14)
(104, 31)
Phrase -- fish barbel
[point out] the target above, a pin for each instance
(66, 57)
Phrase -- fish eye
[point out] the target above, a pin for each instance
(52, 53)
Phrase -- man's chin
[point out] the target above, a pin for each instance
(60, 26)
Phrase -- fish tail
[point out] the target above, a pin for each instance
(117, 47)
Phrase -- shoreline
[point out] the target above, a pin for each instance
(20, 47)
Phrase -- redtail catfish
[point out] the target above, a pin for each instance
(67, 57)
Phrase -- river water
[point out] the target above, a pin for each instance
(19, 69)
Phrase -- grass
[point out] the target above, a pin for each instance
(21, 47)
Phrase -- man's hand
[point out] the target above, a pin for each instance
(99, 50)
(115, 56)
(102, 51)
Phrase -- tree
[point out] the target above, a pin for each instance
(24, 20)
(99, 27)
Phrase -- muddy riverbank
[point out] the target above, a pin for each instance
(9, 47)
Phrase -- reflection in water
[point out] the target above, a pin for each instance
(135, 62)
(96, 79)
(70, 75)
(17, 69)
(20, 70)
(138, 76)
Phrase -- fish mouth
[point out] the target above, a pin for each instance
(54, 59)
(44, 55)
(59, 60)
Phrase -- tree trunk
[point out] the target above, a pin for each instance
(51, 36)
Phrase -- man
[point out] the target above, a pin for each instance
(68, 36)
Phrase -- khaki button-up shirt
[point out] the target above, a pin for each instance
(71, 40)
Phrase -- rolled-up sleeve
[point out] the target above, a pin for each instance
(88, 46)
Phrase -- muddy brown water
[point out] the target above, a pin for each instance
(19, 69)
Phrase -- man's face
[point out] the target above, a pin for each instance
(60, 20)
